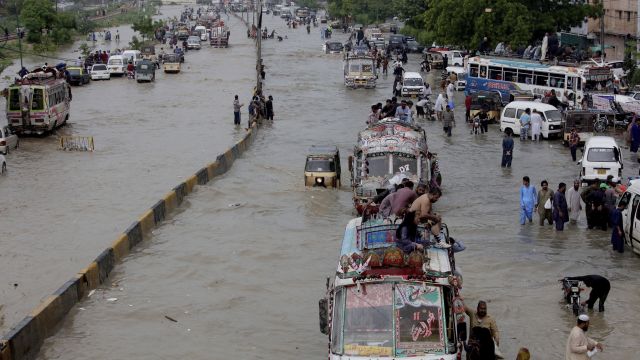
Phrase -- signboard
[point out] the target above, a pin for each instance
(419, 326)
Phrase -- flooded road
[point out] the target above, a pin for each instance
(60, 209)
(243, 280)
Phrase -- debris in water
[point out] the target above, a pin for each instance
(112, 299)
(91, 293)
(234, 205)
(170, 318)
(82, 309)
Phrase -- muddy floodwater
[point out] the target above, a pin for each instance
(60, 209)
(240, 267)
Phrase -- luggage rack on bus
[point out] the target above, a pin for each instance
(369, 250)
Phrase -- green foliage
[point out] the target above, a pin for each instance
(146, 26)
(37, 15)
(635, 78)
(135, 43)
(311, 4)
(85, 50)
(364, 11)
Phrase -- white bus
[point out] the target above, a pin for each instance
(505, 76)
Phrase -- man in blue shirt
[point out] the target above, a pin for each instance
(528, 198)
(507, 149)
(403, 112)
(525, 123)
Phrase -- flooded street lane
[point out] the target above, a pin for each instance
(59, 209)
(243, 280)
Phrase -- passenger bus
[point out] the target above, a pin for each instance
(506, 75)
(384, 304)
(38, 103)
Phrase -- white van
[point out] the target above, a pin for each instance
(602, 157)
(454, 57)
(116, 65)
(132, 55)
(204, 36)
(551, 118)
(631, 217)
(412, 85)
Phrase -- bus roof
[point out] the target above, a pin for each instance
(523, 64)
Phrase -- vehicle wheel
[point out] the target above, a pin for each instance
(6, 151)
(3, 170)
(576, 308)
(17, 143)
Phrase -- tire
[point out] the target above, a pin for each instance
(576, 308)
(6, 150)
(3, 170)
(17, 143)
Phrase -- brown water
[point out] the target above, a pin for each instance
(59, 210)
(243, 281)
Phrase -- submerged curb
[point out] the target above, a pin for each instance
(24, 339)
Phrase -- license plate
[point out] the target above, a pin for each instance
(602, 171)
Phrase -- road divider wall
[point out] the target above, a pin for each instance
(23, 340)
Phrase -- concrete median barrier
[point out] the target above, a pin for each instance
(23, 340)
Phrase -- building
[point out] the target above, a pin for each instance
(620, 25)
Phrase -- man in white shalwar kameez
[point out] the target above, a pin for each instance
(578, 344)
(545, 45)
(573, 202)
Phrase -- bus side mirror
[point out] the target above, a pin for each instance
(461, 328)
(350, 163)
(324, 315)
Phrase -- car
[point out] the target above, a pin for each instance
(193, 43)
(78, 76)
(8, 140)
(414, 46)
(100, 72)
(3, 165)
(333, 47)
(396, 42)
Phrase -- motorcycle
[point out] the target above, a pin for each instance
(424, 67)
(572, 290)
(131, 74)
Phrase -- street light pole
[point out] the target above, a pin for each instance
(259, 45)
(19, 33)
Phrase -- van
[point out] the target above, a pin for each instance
(204, 36)
(454, 57)
(116, 65)
(412, 85)
(602, 157)
(132, 55)
(631, 216)
(551, 118)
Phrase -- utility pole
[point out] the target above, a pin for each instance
(602, 37)
(19, 32)
(259, 45)
(635, 57)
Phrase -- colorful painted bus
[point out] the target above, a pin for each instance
(38, 103)
(506, 75)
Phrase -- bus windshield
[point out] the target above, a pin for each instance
(37, 100)
(378, 166)
(381, 320)
(14, 99)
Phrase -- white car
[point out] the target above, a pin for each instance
(193, 42)
(3, 165)
(116, 65)
(100, 72)
(8, 140)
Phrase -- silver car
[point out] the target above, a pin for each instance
(8, 140)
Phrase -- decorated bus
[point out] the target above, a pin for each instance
(39, 102)
(384, 303)
(506, 76)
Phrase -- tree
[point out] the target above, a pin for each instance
(37, 15)
(144, 25)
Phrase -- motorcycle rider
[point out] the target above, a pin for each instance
(131, 69)
(600, 287)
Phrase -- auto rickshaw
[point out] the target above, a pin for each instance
(435, 59)
(490, 101)
(171, 63)
(583, 121)
(145, 71)
(322, 167)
